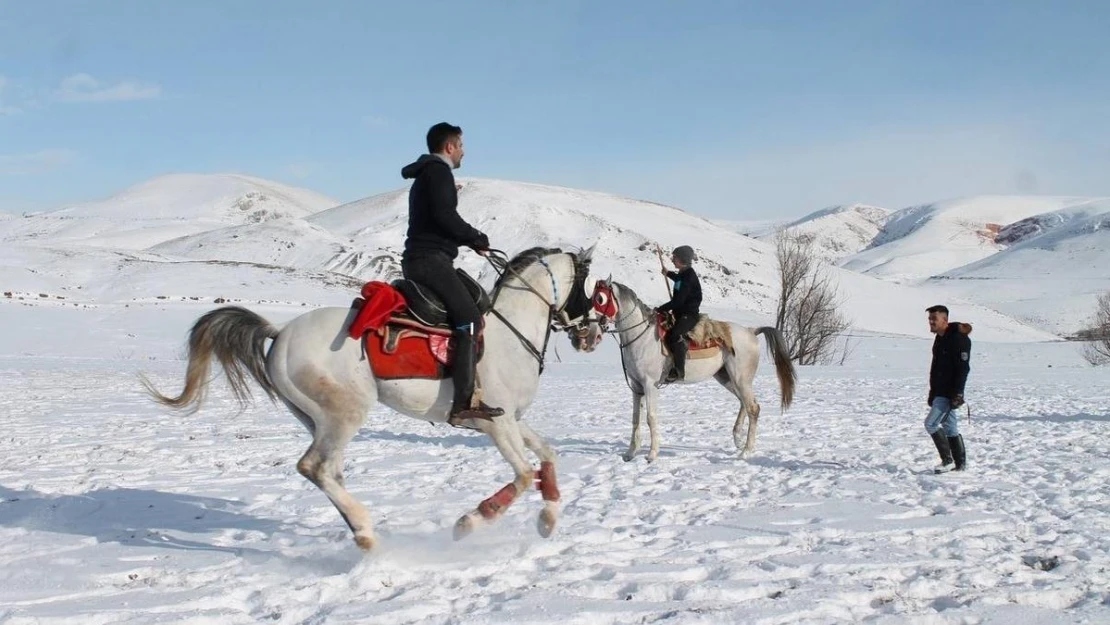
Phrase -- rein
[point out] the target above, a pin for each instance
(616, 322)
(624, 366)
(499, 261)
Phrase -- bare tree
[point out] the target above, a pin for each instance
(808, 312)
(848, 349)
(1096, 349)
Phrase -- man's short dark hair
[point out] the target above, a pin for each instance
(939, 308)
(440, 134)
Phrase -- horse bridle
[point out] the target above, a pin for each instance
(557, 318)
(603, 322)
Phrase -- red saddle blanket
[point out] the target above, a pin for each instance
(405, 349)
(396, 346)
(379, 302)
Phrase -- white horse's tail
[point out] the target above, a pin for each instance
(783, 365)
(237, 339)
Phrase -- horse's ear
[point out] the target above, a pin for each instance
(587, 254)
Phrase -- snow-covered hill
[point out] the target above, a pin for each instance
(1051, 228)
(362, 240)
(928, 240)
(286, 241)
(1050, 274)
(166, 208)
(837, 231)
(365, 238)
(518, 215)
(750, 228)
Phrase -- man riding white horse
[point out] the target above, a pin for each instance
(685, 305)
(435, 233)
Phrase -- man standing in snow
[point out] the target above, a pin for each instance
(436, 230)
(947, 376)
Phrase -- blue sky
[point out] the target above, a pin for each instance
(743, 110)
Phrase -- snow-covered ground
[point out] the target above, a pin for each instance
(113, 510)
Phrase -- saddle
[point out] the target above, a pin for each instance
(426, 308)
(707, 337)
(405, 331)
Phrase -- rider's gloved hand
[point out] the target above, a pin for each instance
(480, 244)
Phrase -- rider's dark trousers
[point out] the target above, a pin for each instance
(437, 272)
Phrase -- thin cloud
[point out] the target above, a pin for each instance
(888, 166)
(6, 109)
(301, 171)
(35, 163)
(85, 88)
(375, 121)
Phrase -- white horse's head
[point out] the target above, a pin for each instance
(586, 334)
(595, 324)
(563, 285)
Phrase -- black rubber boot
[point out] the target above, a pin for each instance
(946, 462)
(464, 367)
(959, 453)
(678, 372)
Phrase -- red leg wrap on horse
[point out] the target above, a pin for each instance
(546, 482)
(500, 500)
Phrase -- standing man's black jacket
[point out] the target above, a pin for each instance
(687, 293)
(434, 222)
(951, 361)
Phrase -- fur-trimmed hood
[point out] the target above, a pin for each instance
(965, 328)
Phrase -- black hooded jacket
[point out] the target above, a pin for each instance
(951, 361)
(434, 222)
(687, 293)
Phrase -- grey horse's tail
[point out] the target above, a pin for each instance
(236, 337)
(784, 367)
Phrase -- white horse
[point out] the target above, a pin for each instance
(323, 377)
(646, 365)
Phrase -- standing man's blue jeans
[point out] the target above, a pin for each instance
(942, 416)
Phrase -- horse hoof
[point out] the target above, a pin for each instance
(366, 543)
(628, 457)
(463, 527)
(651, 458)
(546, 522)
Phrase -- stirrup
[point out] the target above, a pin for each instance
(670, 378)
(481, 412)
